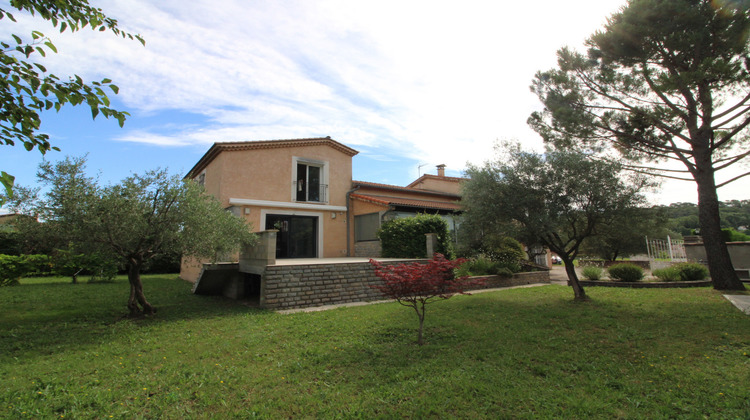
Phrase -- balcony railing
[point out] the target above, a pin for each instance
(311, 194)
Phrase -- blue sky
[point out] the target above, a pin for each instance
(405, 83)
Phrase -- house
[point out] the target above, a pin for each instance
(299, 196)
(372, 204)
(303, 188)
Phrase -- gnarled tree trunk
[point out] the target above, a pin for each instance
(137, 297)
(570, 269)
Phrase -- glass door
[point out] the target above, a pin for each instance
(297, 237)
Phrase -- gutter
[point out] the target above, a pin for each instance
(348, 214)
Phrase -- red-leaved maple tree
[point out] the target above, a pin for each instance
(417, 284)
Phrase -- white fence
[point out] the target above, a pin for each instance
(663, 253)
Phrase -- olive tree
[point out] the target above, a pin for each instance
(557, 199)
(134, 221)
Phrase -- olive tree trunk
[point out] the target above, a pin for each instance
(137, 303)
(570, 269)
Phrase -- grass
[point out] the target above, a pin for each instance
(520, 353)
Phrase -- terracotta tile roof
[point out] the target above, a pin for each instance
(375, 185)
(408, 202)
(441, 178)
(219, 147)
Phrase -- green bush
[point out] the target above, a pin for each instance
(13, 267)
(667, 274)
(591, 272)
(483, 266)
(691, 271)
(504, 273)
(508, 253)
(10, 242)
(625, 272)
(405, 238)
(38, 265)
(731, 235)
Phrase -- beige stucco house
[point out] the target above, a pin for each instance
(303, 188)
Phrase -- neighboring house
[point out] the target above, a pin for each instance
(372, 204)
(303, 188)
(8, 220)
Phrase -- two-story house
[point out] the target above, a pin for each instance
(303, 188)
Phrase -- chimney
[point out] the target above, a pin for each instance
(441, 169)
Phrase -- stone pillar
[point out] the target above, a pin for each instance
(431, 239)
(254, 259)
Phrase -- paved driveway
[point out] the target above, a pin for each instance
(558, 275)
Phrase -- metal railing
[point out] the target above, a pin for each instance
(663, 253)
(314, 195)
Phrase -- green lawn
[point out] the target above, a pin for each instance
(521, 353)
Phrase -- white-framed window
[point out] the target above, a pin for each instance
(309, 180)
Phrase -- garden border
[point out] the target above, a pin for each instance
(647, 284)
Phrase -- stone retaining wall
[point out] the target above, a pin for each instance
(301, 286)
(518, 279)
(368, 249)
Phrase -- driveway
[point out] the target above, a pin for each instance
(558, 275)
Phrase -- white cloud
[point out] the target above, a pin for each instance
(433, 81)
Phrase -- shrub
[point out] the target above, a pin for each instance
(625, 272)
(13, 267)
(482, 266)
(591, 272)
(479, 266)
(37, 265)
(508, 253)
(731, 235)
(667, 274)
(404, 238)
(691, 271)
(504, 273)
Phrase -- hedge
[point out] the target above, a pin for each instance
(405, 238)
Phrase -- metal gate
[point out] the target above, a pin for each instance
(663, 253)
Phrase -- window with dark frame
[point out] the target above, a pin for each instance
(366, 227)
(309, 185)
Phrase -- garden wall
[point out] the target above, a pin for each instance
(646, 285)
(518, 279)
(301, 286)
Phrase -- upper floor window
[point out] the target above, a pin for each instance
(310, 181)
(201, 179)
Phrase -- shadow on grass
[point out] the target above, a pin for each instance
(44, 318)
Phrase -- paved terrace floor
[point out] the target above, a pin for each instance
(342, 260)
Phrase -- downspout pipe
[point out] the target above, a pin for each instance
(348, 214)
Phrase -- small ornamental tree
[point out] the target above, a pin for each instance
(415, 285)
